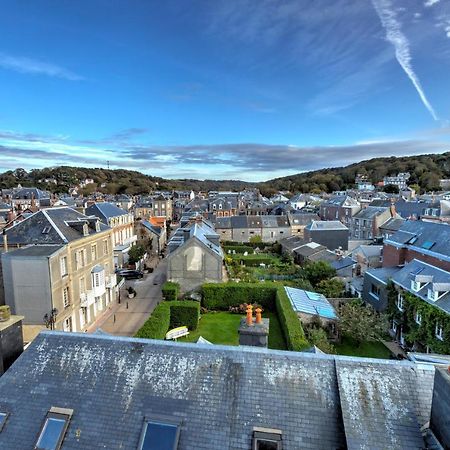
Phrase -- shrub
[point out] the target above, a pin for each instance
(170, 290)
(184, 313)
(157, 324)
(222, 296)
(238, 249)
(290, 323)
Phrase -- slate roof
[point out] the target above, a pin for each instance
(326, 225)
(33, 251)
(393, 224)
(218, 393)
(300, 218)
(407, 209)
(153, 228)
(405, 275)
(309, 249)
(50, 226)
(382, 274)
(342, 263)
(105, 211)
(341, 200)
(418, 235)
(28, 193)
(370, 212)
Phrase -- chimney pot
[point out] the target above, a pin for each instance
(249, 315)
(258, 315)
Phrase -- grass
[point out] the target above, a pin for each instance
(222, 328)
(367, 349)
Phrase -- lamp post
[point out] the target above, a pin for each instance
(50, 319)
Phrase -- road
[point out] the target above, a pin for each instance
(126, 318)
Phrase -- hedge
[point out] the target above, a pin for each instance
(157, 324)
(270, 296)
(222, 296)
(238, 249)
(184, 313)
(290, 323)
(255, 260)
(170, 290)
(252, 245)
(168, 315)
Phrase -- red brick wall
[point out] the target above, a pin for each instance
(393, 257)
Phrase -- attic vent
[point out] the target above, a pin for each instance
(46, 230)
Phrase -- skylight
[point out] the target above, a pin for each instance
(159, 435)
(54, 429)
(3, 417)
(428, 244)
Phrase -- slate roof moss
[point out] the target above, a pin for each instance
(219, 394)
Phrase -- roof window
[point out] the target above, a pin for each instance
(3, 417)
(266, 439)
(54, 429)
(159, 435)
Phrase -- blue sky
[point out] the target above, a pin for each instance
(222, 89)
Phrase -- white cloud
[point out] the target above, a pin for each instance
(33, 66)
(395, 36)
(429, 3)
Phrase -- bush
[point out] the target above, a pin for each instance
(170, 290)
(222, 296)
(184, 313)
(157, 324)
(170, 315)
(238, 249)
(290, 323)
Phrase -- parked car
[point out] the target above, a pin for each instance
(129, 274)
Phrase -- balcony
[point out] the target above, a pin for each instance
(87, 299)
(111, 281)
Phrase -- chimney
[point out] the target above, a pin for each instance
(254, 332)
(392, 208)
(5, 241)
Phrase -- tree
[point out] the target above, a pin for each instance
(255, 240)
(332, 288)
(317, 271)
(319, 338)
(135, 254)
(391, 189)
(361, 322)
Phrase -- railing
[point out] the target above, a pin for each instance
(87, 298)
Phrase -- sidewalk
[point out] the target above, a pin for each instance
(126, 318)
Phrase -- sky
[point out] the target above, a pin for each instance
(223, 89)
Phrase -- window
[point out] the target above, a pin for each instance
(94, 252)
(400, 300)
(105, 247)
(54, 429)
(375, 291)
(66, 298)
(439, 331)
(159, 435)
(266, 439)
(194, 259)
(435, 295)
(81, 258)
(63, 266)
(3, 417)
(67, 325)
(416, 286)
(82, 285)
(394, 327)
(418, 318)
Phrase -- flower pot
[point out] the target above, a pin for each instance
(131, 295)
(5, 313)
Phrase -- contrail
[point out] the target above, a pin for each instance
(395, 36)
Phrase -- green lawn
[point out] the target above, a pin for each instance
(366, 349)
(222, 328)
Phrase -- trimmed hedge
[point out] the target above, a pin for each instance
(290, 323)
(170, 290)
(255, 260)
(238, 249)
(260, 245)
(184, 313)
(157, 324)
(222, 296)
(169, 315)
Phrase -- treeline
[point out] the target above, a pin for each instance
(426, 172)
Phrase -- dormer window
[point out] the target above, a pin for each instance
(3, 418)
(416, 286)
(97, 226)
(159, 434)
(85, 230)
(266, 439)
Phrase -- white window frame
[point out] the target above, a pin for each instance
(63, 266)
(439, 331)
(400, 301)
(66, 297)
(418, 318)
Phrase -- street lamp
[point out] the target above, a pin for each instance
(50, 319)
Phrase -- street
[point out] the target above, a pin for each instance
(126, 318)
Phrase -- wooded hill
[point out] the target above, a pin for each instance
(426, 172)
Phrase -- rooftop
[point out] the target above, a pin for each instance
(113, 383)
(310, 303)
